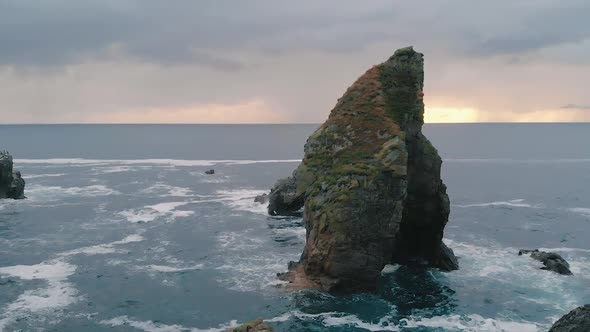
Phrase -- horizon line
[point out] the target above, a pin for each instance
(256, 124)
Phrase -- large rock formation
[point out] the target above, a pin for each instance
(370, 183)
(12, 185)
(578, 320)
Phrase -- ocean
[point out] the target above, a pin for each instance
(123, 231)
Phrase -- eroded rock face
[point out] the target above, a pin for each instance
(370, 183)
(12, 185)
(578, 320)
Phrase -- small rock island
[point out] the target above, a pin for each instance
(370, 184)
(12, 185)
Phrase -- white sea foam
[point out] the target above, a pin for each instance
(520, 203)
(166, 211)
(243, 200)
(464, 323)
(113, 169)
(35, 176)
(150, 326)
(172, 269)
(473, 323)
(583, 211)
(38, 192)
(57, 293)
(493, 264)
(165, 190)
(105, 248)
(245, 265)
(173, 162)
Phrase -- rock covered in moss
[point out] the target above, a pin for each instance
(578, 320)
(254, 326)
(370, 183)
(12, 185)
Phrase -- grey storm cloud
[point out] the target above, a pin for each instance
(93, 60)
(206, 32)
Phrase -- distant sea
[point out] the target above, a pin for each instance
(123, 231)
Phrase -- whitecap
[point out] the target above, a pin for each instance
(520, 203)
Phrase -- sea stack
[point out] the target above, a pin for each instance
(12, 185)
(370, 185)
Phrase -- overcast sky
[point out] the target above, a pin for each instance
(268, 61)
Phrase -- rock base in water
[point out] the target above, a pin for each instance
(551, 261)
(254, 326)
(578, 320)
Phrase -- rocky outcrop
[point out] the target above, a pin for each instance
(578, 320)
(286, 198)
(551, 261)
(370, 183)
(254, 326)
(12, 185)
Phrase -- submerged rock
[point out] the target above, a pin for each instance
(578, 320)
(254, 326)
(552, 261)
(370, 183)
(12, 185)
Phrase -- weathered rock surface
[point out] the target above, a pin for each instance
(578, 320)
(370, 183)
(254, 326)
(12, 185)
(285, 198)
(551, 261)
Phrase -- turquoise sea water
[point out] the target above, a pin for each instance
(123, 231)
